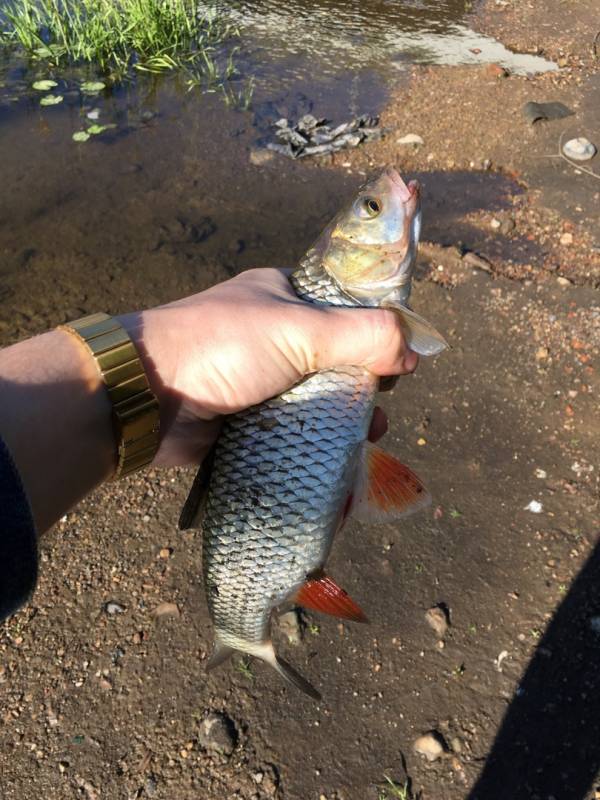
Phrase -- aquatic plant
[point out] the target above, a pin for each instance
(119, 35)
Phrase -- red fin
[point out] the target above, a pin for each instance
(321, 593)
(387, 489)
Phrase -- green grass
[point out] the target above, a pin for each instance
(243, 666)
(394, 790)
(120, 35)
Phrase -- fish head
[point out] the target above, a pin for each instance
(370, 247)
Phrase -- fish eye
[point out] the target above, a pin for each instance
(369, 207)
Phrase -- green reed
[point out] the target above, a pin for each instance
(117, 35)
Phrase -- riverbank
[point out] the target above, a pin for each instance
(103, 691)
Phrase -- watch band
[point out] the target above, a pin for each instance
(135, 406)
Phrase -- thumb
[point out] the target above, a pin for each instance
(372, 338)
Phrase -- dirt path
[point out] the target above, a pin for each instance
(108, 701)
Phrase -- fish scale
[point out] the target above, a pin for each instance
(282, 472)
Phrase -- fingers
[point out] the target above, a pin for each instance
(368, 337)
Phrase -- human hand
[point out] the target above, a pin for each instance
(244, 341)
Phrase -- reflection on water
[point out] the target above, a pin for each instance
(306, 39)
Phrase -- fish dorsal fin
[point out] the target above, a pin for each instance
(385, 489)
(321, 593)
(193, 508)
(420, 335)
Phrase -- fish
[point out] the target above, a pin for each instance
(286, 474)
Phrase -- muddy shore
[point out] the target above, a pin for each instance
(110, 701)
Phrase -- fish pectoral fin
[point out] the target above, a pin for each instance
(193, 508)
(220, 654)
(420, 335)
(321, 593)
(289, 673)
(385, 489)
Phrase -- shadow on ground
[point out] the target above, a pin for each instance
(549, 742)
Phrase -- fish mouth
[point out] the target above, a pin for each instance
(406, 194)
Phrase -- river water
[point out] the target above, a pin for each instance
(170, 198)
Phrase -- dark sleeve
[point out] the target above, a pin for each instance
(18, 540)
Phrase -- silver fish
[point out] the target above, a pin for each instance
(286, 473)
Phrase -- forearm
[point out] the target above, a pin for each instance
(56, 420)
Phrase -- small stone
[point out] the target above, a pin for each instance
(421, 441)
(495, 224)
(63, 766)
(431, 745)
(563, 281)
(496, 71)
(258, 777)
(410, 138)
(165, 552)
(259, 157)
(217, 732)
(167, 610)
(507, 226)
(437, 618)
(113, 608)
(541, 354)
(580, 149)
(566, 239)
(534, 506)
(289, 625)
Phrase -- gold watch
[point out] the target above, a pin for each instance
(135, 407)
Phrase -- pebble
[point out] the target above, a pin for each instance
(167, 610)
(542, 353)
(113, 608)
(437, 618)
(563, 281)
(259, 156)
(566, 239)
(534, 506)
(410, 138)
(495, 224)
(580, 149)
(431, 745)
(496, 71)
(289, 624)
(217, 732)
(541, 473)
(165, 552)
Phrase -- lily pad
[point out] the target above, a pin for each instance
(81, 136)
(44, 86)
(94, 130)
(92, 87)
(51, 100)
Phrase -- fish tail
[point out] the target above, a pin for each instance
(266, 652)
(289, 673)
(220, 654)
